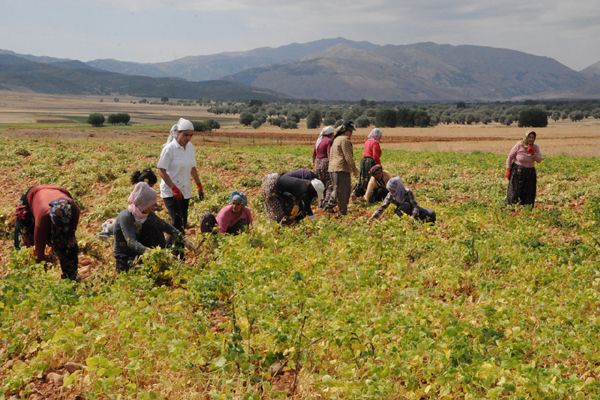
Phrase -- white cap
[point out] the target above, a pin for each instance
(184, 125)
(319, 188)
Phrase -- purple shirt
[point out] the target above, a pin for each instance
(226, 218)
(323, 150)
(519, 155)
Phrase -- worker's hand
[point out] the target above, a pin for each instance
(415, 212)
(177, 193)
(312, 218)
(507, 173)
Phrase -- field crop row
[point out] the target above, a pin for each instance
(491, 302)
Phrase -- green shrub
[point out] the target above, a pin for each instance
(96, 119)
(533, 117)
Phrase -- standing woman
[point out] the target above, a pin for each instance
(371, 157)
(520, 171)
(321, 159)
(176, 164)
(341, 164)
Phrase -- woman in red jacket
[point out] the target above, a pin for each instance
(371, 157)
(48, 215)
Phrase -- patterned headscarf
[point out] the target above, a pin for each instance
(375, 169)
(60, 211)
(238, 197)
(60, 215)
(524, 140)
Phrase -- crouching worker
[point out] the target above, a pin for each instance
(138, 228)
(148, 176)
(233, 218)
(288, 200)
(376, 190)
(404, 200)
(48, 215)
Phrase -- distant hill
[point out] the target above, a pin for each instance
(418, 72)
(592, 71)
(217, 66)
(328, 69)
(75, 77)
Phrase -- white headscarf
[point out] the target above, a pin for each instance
(181, 125)
(326, 131)
(376, 134)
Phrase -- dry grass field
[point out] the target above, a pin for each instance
(35, 115)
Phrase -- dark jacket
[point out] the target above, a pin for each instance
(300, 189)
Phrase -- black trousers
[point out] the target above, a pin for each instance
(378, 195)
(178, 211)
(522, 185)
(363, 178)
(423, 214)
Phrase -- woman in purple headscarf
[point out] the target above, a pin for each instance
(137, 228)
(404, 200)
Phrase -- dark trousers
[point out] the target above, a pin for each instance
(422, 214)
(363, 178)
(521, 186)
(378, 195)
(178, 211)
(67, 256)
(340, 193)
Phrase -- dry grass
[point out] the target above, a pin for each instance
(563, 137)
(32, 107)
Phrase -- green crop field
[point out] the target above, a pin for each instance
(491, 302)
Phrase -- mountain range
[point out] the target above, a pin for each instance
(59, 76)
(328, 69)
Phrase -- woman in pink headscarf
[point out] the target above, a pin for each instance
(137, 228)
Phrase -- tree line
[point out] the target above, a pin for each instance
(364, 113)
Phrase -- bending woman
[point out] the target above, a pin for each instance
(137, 228)
(48, 215)
(288, 200)
(404, 200)
(520, 171)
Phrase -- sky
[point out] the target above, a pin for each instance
(164, 30)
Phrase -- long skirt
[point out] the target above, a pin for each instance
(363, 179)
(521, 185)
(277, 207)
(321, 166)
